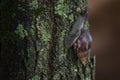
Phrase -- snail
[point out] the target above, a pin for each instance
(80, 38)
(82, 45)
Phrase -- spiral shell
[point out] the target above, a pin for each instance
(82, 45)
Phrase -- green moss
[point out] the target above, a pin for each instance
(21, 32)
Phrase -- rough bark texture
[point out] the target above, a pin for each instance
(33, 34)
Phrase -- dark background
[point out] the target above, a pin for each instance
(104, 18)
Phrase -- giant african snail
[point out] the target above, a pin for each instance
(80, 38)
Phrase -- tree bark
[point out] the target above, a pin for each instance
(33, 33)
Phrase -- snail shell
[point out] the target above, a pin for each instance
(82, 45)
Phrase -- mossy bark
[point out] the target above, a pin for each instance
(32, 41)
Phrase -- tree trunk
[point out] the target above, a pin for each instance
(32, 40)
